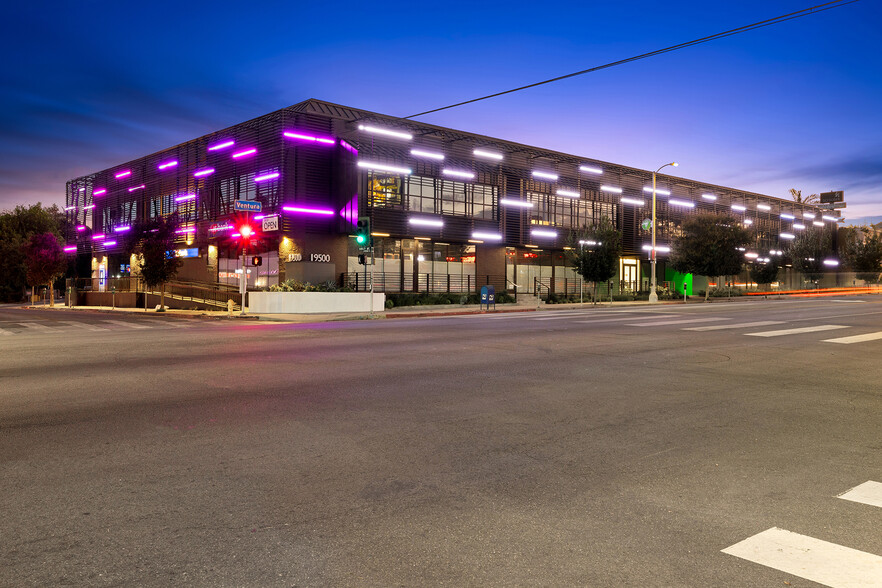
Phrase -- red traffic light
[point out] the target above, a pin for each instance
(246, 231)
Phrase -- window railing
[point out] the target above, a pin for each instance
(422, 282)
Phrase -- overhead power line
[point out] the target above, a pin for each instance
(729, 33)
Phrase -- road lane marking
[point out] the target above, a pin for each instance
(812, 559)
(738, 326)
(849, 301)
(797, 331)
(85, 326)
(5, 332)
(679, 321)
(128, 324)
(514, 315)
(856, 338)
(586, 315)
(867, 493)
(39, 327)
(624, 318)
(162, 323)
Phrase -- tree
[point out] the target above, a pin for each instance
(708, 245)
(153, 242)
(595, 252)
(45, 261)
(863, 252)
(797, 197)
(764, 272)
(808, 250)
(16, 228)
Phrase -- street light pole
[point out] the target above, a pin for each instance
(653, 295)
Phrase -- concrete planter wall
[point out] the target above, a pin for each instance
(313, 302)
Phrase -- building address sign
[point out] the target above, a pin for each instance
(314, 257)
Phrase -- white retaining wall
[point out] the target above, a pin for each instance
(313, 302)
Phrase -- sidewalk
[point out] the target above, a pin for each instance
(390, 313)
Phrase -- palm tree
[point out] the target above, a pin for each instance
(810, 199)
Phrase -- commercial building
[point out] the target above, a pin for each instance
(449, 210)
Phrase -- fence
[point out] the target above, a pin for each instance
(433, 283)
(214, 294)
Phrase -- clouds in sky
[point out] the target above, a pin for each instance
(91, 84)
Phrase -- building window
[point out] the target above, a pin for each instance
(384, 191)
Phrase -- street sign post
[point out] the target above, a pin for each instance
(246, 206)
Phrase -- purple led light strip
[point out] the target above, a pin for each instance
(302, 137)
(245, 153)
(185, 197)
(203, 172)
(298, 209)
(141, 187)
(168, 164)
(123, 174)
(223, 145)
(70, 248)
(265, 177)
(348, 147)
(99, 192)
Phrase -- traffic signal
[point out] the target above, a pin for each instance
(362, 259)
(257, 260)
(363, 231)
(246, 231)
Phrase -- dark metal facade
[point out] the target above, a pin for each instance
(343, 175)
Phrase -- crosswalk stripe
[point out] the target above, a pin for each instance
(625, 318)
(85, 326)
(39, 327)
(131, 325)
(5, 332)
(867, 493)
(738, 326)
(856, 338)
(511, 315)
(796, 331)
(161, 323)
(679, 321)
(812, 559)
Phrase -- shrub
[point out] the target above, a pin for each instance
(423, 298)
(724, 292)
(293, 285)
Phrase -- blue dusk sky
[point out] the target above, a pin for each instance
(88, 84)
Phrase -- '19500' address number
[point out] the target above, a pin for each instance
(320, 257)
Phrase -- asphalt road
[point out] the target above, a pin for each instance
(596, 447)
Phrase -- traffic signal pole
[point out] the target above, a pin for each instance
(243, 281)
(371, 315)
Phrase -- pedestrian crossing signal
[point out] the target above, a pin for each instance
(257, 260)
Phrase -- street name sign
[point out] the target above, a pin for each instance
(830, 197)
(246, 206)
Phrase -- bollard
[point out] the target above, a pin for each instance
(229, 307)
